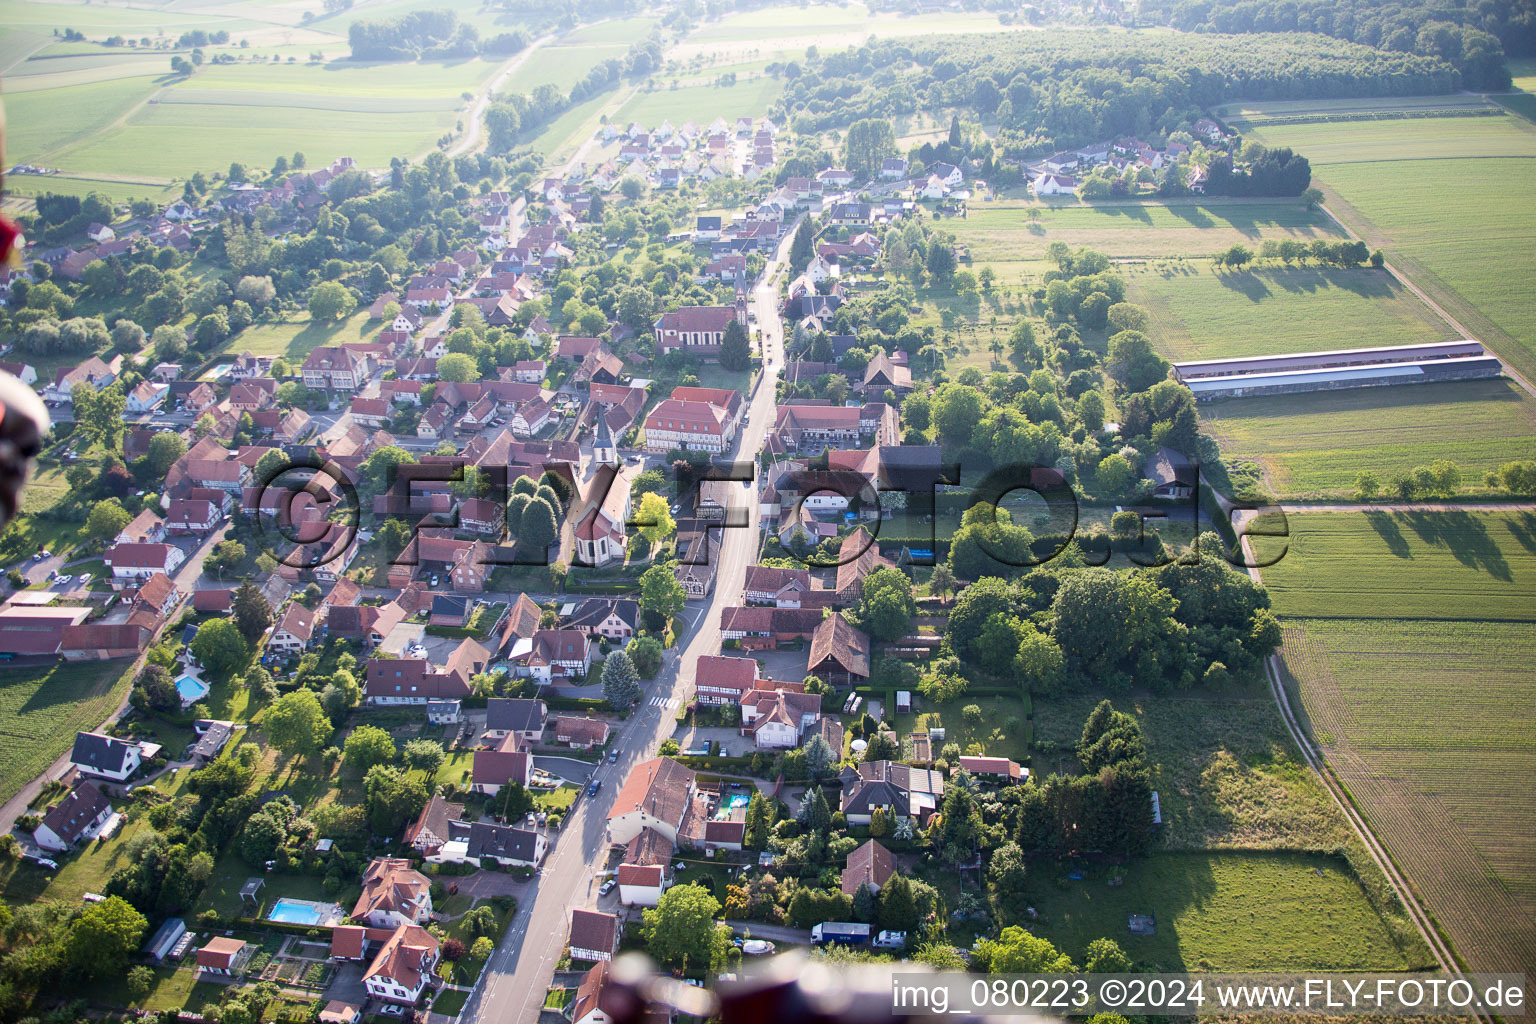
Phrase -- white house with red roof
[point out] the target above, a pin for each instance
(132, 563)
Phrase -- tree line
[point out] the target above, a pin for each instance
(1053, 89)
(1472, 38)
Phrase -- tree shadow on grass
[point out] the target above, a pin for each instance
(1131, 211)
(1387, 527)
(1465, 536)
(1195, 214)
(1246, 283)
(1524, 530)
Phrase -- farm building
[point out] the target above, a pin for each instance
(1293, 361)
(1326, 371)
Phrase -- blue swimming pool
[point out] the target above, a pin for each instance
(191, 689)
(304, 912)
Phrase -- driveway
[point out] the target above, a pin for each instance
(734, 744)
(570, 769)
(347, 984)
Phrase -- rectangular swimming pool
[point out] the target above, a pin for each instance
(289, 911)
(191, 689)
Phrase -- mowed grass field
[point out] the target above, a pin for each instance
(41, 709)
(1427, 564)
(1423, 701)
(1005, 230)
(1315, 445)
(1223, 911)
(1451, 199)
(1199, 313)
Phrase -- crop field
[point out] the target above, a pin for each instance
(1005, 230)
(561, 65)
(41, 709)
(1199, 313)
(1470, 246)
(780, 31)
(1247, 115)
(1426, 564)
(26, 185)
(702, 103)
(1224, 911)
(1432, 727)
(1314, 445)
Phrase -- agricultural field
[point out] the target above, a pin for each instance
(42, 707)
(1468, 246)
(1408, 646)
(1012, 229)
(1228, 911)
(703, 102)
(1315, 445)
(779, 32)
(1200, 313)
(1426, 564)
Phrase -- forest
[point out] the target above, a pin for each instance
(1053, 89)
(1474, 39)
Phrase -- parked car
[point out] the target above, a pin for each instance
(607, 887)
(594, 786)
(84, 579)
(890, 940)
(613, 757)
(63, 579)
(434, 580)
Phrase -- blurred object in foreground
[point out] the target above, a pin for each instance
(791, 988)
(23, 423)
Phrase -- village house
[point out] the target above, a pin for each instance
(393, 894)
(581, 733)
(870, 865)
(606, 618)
(657, 795)
(80, 815)
(224, 957)
(105, 757)
(594, 935)
(895, 788)
(501, 765)
(518, 717)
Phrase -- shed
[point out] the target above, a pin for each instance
(165, 938)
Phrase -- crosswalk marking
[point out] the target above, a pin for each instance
(663, 702)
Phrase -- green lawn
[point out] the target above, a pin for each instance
(173, 989)
(1223, 911)
(300, 336)
(231, 872)
(450, 1002)
(1315, 445)
(1432, 565)
(1003, 230)
(1469, 246)
(558, 799)
(1198, 313)
(42, 708)
(1003, 731)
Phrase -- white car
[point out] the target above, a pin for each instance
(83, 579)
(63, 579)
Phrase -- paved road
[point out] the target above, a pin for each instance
(470, 140)
(511, 990)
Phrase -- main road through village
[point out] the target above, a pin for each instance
(511, 989)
